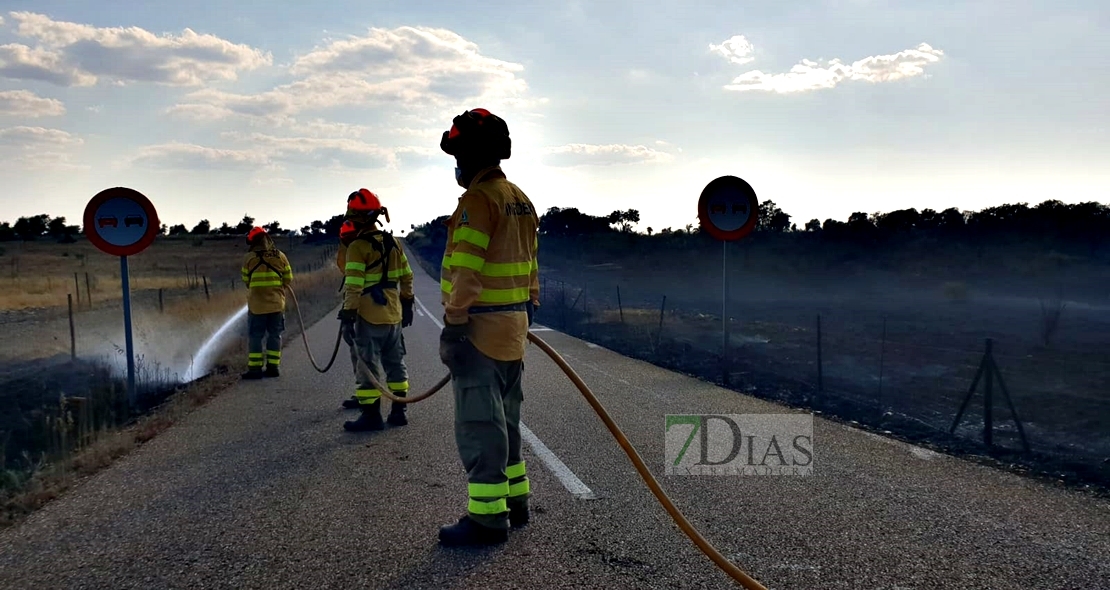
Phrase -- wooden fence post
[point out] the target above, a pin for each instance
(206, 295)
(161, 304)
(620, 306)
(77, 289)
(72, 331)
(88, 289)
(820, 368)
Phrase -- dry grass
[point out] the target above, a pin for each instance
(41, 274)
(21, 493)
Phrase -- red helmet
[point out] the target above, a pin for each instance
(364, 201)
(347, 230)
(477, 132)
(254, 234)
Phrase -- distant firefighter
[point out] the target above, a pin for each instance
(266, 271)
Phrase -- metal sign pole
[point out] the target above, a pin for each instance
(724, 312)
(126, 280)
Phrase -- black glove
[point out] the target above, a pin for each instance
(531, 312)
(348, 331)
(453, 346)
(406, 313)
(347, 318)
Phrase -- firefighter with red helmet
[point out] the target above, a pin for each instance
(266, 272)
(490, 289)
(377, 304)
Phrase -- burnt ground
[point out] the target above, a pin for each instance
(897, 359)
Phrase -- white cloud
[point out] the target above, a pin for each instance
(40, 148)
(811, 75)
(736, 49)
(578, 154)
(23, 103)
(412, 70)
(185, 156)
(72, 54)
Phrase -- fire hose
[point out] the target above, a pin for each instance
(711, 552)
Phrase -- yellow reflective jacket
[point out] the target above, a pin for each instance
(491, 260)
(362, 269)
(265, 284)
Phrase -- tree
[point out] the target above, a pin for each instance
(7, 234)
(226, 230)
(813, 225)
(624, 219)
(202, 228)
(245, 226)
(163, 230)
(31, 228)
(178, 230)
(274, 228)
(771, 218)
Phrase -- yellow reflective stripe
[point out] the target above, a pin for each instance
(498, 506)
(273, 354)
(467, 260)
(356, 281)
(266, 274)
(254, 355)
(398, 273)
(355, 266)
(515, 471)
(535, 265)
(256, 284)
(446, 261)
(507, 269)
(367, 394)
(373, 277)
(519, 489)
(445, 285)
(517, 295)
(255, 363)
(469, 234)
(488, 490)
(398, 385)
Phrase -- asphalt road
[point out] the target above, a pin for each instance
(262, 488)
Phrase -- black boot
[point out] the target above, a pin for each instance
(252, 373)
(469, 532)
(351, 403)
(397, 413)
(272, 371)
(518, 514)
(371, 419)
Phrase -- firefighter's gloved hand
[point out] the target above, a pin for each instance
(348, 332)
(347, 318)
(406, 313)
(453, 343)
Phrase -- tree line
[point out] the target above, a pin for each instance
(45, 227)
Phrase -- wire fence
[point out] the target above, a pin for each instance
(1034, 384)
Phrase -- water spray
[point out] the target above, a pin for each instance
(207, 351)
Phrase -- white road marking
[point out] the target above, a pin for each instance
(566, 477)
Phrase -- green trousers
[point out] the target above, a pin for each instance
(264, 333)
(381, 347)
(488, 395)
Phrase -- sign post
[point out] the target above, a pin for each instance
(728, 210)
(122, 222)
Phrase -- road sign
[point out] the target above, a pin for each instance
(728, 208)
(121, 221)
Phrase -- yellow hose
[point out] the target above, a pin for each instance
(711, 552)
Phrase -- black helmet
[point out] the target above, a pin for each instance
(478, 133)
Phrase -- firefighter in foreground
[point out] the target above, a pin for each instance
(266, 271)
(378, 302)
(490, 289)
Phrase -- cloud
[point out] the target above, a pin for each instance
(26, 147)
(413, 70)
(72, 54)
(736, 49)
(186, 156)
(578, 154)
(23, 103)
(810, 75)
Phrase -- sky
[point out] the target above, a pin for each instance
(279, 109)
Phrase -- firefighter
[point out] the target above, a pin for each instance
(490, 290)
(267, 272)
(347, 233)
(378, 302)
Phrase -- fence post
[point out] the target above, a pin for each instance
(659, 332)
(882, 358)
(161, 304)
(820, 368)
(206, 295)
(88, 290)
(988, 398)
(77, 289)
(620, 306)
(72, 331)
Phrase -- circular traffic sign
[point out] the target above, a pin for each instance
(728, 208)
(121, 221)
